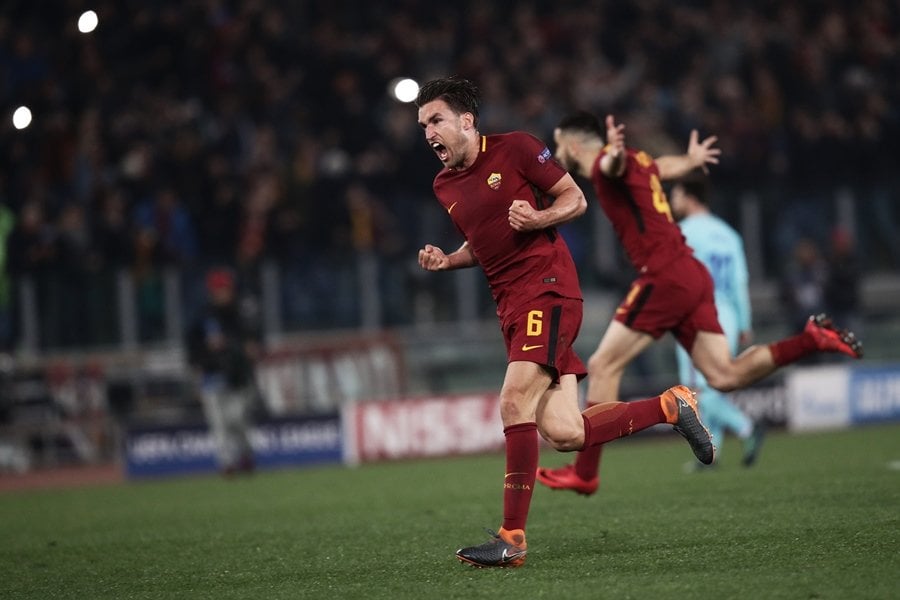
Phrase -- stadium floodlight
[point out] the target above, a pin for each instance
(404, 89)
(88, 21)
(21, 117)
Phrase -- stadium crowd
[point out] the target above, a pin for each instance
(209, 132)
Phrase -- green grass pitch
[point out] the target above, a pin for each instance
(818, 517)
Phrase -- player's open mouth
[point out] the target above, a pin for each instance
(440, 150)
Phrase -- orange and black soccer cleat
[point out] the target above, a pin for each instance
(679, 404)
(565, 478)
(505, 549)
(829, 338)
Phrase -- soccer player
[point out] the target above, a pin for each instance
(506, 195)
(720, 248)
(673, 290)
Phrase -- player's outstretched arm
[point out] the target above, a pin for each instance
(613, 162)
(699, 154)
(432, 258)
(569, 204)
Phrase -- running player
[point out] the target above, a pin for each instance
(673, 290)
(496, 190)
(720, 248)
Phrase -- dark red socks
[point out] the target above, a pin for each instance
(521, 466)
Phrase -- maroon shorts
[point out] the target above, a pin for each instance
(543, 331)
(679, 299)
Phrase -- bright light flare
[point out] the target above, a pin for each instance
(404, 89)
(88, 21)
(22, 117)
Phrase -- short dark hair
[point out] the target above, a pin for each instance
(460, 94)
(583, 122)
(696, 184)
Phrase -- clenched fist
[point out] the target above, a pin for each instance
(432, 258)
(522, 217)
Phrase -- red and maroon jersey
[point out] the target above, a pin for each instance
(519, 265)
(637, 206)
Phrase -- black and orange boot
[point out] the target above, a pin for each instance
(505, 549)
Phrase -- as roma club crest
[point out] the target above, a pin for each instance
(494, 181)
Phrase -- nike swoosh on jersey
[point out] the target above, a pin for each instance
(450, 210)
(526, 347)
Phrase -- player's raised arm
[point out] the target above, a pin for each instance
(613, 162)
(432, 258)
(699, 154)
(569, 204)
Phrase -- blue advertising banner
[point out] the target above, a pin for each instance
(172, 450)
(874, 394)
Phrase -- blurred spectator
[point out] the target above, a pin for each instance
(7, 220)
(803, 285)
(31, 244)
(166, 218)
(842, 285)
(31, 251)
(165, 239)
(223, 345)
(113, 245)
(112, 233)
(148, 283)
(254, 230)
(70, 320)
(217, 227)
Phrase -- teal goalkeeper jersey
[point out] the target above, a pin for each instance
(718, 246)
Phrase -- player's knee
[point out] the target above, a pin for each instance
(600, 364)
(569, 443)
(721, 381)
(565, 437)
(512, 408)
